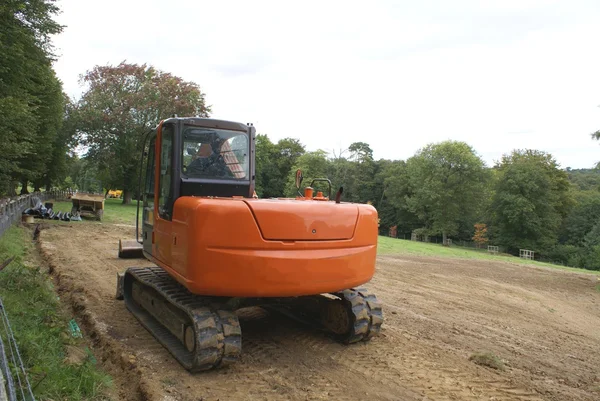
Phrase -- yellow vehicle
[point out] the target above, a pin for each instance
(115, 193)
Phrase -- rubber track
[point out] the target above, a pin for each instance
(218, 332)
(363, 308)
(367, 314)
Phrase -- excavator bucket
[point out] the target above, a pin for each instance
(130, 249)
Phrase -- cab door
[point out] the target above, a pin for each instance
(164, 196)
(148, 199)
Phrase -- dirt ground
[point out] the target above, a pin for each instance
(544, 324)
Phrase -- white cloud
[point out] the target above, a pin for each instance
(397, 75)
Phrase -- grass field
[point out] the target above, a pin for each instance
(387, 245)
(114, 211)
(41, 328)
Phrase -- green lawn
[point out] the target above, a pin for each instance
(387, 246)
(41, 328)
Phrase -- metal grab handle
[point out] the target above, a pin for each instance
(325, 180)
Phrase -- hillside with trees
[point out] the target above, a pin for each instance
(444, 191)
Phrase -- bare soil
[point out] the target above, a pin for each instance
(543, 324)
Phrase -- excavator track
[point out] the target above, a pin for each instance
(200, 335)
(366, 315)
(351, 315)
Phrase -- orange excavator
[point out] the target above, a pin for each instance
(218, 248)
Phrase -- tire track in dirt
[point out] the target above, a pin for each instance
(437, 313)
(503, 308)
(430, 372)
(289, 347)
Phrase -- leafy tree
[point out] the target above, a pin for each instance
(581, 218)
(357, 174)
(585, 179)
(592, 249)
(49, 150)
(287, 153)
(444, 185)
(480, 236)
(267, 172)
(569, 255)
(340, 172)
(531, 198)
(313, 165)
(274, 164)
(30, 95)
(361, 152)
(119, 105)
(392, 207)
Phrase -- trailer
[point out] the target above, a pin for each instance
(90, 203)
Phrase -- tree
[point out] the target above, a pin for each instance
(584, 179)
(445, 185)
(30, 94)
(267, 172)
(592, 249)
(356, 174)
(49, 150)
(313, 165)
(480, 236)
(581, 218)
(531, 199)
(287, 153)
(274, 164)
(393, 207)
(361, 152)
(120, 104)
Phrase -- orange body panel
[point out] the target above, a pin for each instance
(310, 221)
(267, 248)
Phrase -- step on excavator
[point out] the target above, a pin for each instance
(216, 247)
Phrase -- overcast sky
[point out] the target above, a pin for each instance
(398, 75)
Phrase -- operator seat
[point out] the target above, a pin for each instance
(208, 162)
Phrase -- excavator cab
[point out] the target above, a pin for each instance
(217, 248)
(193, 157)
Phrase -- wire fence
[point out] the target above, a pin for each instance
(11, 363)
(14, 384)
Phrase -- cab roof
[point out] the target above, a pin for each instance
(210, 123)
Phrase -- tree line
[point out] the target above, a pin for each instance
(32, 103)
(524, 201)
(93, 143)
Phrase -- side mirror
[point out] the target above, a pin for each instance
(299, 178)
